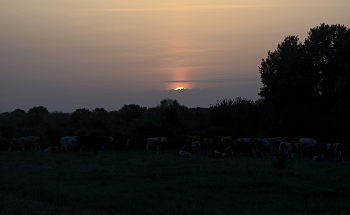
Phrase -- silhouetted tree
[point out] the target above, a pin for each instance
(298, 73)
(38, 110)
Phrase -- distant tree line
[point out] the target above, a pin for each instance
(305, 93)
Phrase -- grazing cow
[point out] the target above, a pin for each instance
(196, 147)
(184, 153)
(224, 142)
(191, 139)
(216, 154)
(52, 149)
(318, 157)
(339, 150)
(95, 143)
(315, 150)
(128, 144)
(295, 147)
(68, 142)
(25, 142)
(285, 148)
(209, 145)
(242, 146)
(266, 146)
(155, 143)
(307, 140)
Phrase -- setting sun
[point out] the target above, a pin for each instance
(179, 88)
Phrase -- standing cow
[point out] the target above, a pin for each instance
(95, 143)
(24, 142)
(68, 142)
(196, 147)
(285, 148)
(339, 151)
(155, 144)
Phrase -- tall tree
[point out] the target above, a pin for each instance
(297, 73)
(328, 48)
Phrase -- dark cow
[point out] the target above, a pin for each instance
(121, 143)
(52, 149)
(242, 146)
(266, 146)
(209, 145)
(224, 141)
(196, 147)
(95, 143)
(339, 150)
(285, 148)
(315, 150)
(22, 143)
(191, 139)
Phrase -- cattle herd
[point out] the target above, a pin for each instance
(216, 147)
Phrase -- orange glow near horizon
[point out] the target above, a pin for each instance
(179, 88)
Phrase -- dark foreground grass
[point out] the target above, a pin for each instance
(139, 183)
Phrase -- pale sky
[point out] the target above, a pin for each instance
(70, 54)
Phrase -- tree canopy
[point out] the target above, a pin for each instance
(297, 73)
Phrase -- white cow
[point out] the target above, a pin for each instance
(25, 142)
(184, 153)
(68, 142)
(155, 143)
(308, 141)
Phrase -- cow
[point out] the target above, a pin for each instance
(242, 146)
(285, 148)
(24, 142)
(196, 147)
(318, 157)
(68, 142)
(224, 141)
(95, 143)
(209, 145)
(184, 153)
(315, 150)
(295, 147)
(216, 154)
(128, 144)
(191, 139)
(308, 141)
(155, 144)
(266, 146)
(52, 149)
(339, 150)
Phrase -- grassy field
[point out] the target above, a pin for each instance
(135, 182)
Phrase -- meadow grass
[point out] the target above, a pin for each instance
(134, 182)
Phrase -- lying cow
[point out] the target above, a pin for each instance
(68, 142)
(52, 149)
(184, 153)
(24, 142)
(95, 143)
(216, 154)
(318, 157)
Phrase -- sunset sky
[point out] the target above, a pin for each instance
(70, 54)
